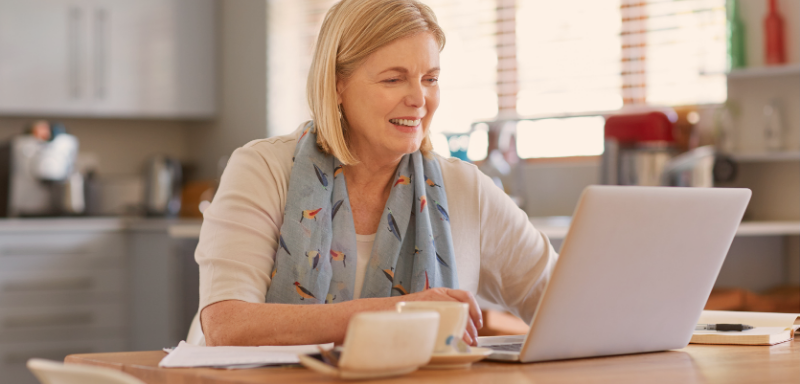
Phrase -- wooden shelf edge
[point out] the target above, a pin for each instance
(556, 228)
(767, 157)
(766, 71)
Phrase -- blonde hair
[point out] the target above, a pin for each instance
(351, 31)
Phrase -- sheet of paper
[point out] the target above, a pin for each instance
(187, 355)
(756, 319)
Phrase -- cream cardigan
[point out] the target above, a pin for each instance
(500, 256)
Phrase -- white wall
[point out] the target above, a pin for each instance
(242, 66)
(553, 189)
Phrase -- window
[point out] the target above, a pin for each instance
(469, 63)
(560, 137)
(685, 52)
(569, 56)
(556, 66)
(293, 26)
(469, 71)
(580, 57)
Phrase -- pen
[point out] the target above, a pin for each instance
(722, 327)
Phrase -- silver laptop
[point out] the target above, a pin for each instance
(634, 273)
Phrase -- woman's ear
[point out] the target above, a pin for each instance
(339, 90)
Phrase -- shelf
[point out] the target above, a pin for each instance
(769, 228)
(767, 157)
(184, 231)
(556, 227)
(756, 72)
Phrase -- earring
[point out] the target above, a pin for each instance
(339, 110)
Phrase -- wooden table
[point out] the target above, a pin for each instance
(693, 364)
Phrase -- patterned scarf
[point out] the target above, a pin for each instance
(317, 254)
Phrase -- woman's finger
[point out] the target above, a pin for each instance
(474, 309)
(473, 333)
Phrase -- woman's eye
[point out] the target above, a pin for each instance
(391, 81)
(433, 80)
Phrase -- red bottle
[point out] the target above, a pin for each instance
(775, 52)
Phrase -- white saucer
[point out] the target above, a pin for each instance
(456, 360)
(318, 366)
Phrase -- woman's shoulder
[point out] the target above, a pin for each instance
(280, 143)
(272, 151)
(457, 171)
(470, 183)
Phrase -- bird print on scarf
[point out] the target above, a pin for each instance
(430, 182)
(402, 261)
(441, 210)
(402, 180)
(339, 256)
(322, 176)
(389, 273)
(313, 259)
(393, 225)
(310, 214)
(304, 293)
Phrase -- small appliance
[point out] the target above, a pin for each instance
(163, 186)
(37, 173)
(638, 148)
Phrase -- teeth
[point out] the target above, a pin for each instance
(406, 122)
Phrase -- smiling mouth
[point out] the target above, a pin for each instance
(405, 122)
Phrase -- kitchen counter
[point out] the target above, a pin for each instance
(554, 227)
(95, 224)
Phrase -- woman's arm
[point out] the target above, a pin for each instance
(235, 322)
(516, 259)
(238, 241)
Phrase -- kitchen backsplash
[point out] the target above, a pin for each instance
(120, 147)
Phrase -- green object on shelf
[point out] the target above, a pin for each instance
(736, 36)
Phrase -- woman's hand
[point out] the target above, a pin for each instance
(445, 294)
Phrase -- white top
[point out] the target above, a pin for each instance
(499, 255)
(364, 248)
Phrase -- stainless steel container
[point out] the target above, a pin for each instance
(163, 186)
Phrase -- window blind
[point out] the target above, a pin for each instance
(293, 27)
(469, 62)
(553, 58)
(569, 56)
(685, 51)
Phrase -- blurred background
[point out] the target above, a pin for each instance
(117, 118)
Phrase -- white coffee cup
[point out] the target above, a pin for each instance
(453, 318)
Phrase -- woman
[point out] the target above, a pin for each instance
(353, 210)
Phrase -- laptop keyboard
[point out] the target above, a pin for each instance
(516, 347)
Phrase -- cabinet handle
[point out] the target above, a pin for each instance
(100, 46)
(49, 320)
(13, 358)
(73, 35)
(73, 284)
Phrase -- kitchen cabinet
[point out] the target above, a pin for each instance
(84, 285)
(112, 58)
(60, 291)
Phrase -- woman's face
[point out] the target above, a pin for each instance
(390, 99)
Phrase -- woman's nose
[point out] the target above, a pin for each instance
(416, 95)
